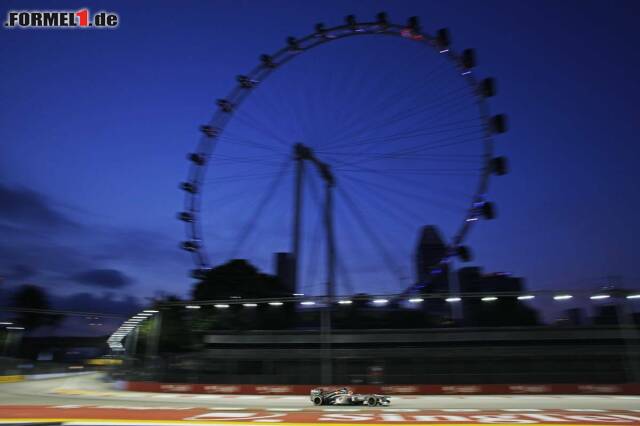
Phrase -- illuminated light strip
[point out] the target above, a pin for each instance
(489, 299)
(344, 302)
(249, 305)
(192, 307)
(599, 296)
(275, 303)
(562, 297)
(416, 300)
(221, 306)
(633, 296)
(308, 303)
(452, 299)
(526, 297)
(380, 301)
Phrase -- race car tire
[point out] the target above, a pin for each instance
(317, 400)
(372, 401)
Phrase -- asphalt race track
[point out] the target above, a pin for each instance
(87, 398)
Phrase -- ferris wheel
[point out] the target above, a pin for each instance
(340, 146)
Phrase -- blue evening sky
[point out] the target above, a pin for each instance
(95, 126)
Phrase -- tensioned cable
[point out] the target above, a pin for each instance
(408, 114)
(246, 230)
(384, 103)
(399, 192)
(361, 220)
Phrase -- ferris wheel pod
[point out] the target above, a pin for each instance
(293, 44)
(468, 58)
(186, 217)
(464, 253)
(224, 105)
(488, 87)
(443, 38)
(488, 210)
(209, 131)
(267, 61)
(246, 82)
(189, 187)
(190, 246)
(498, 123)
(196, 158)
(499, 166)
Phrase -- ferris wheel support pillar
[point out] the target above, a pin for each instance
(300, 154)
(325, 326)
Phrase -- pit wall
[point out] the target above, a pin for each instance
(493, 389)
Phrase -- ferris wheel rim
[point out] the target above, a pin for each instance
(215, 127)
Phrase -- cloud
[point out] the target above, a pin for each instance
(22, 206)
(107, 278)
(18, 272)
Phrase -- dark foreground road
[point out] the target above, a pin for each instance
(86, 399)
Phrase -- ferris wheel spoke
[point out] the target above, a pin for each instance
(442, 142)
(467, 137)
(398, 192)
(387, 101)
(368, 230)
(414, 133)
(421, 131)
(250, 143)
(404, 180)
(345, 275)
(236, 178)
(264, 201)
(396, 216)
(407, 115)
(420, 159)
(261, 128)
(403, 114)
(392, 210)
(355, 241)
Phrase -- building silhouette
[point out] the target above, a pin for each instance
(505, 311)
(432, 273)
(285, 270)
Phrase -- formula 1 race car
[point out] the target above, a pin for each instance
(343, 396)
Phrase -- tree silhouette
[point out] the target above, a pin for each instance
(33, 299)
(237, 278)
